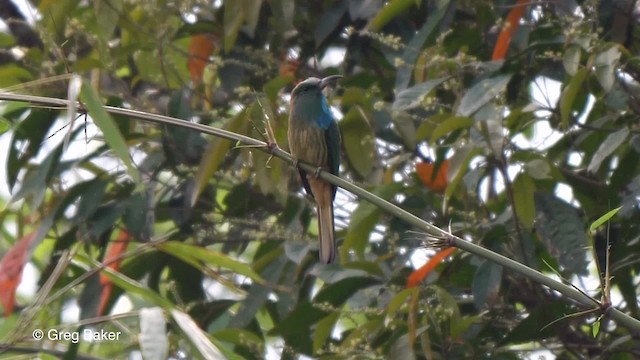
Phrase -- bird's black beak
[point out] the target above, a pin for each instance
(329, 80)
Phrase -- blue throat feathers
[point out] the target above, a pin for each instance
(307, 109)
(326, 118)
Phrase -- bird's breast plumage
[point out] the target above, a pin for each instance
(309, 119)
(307, 143)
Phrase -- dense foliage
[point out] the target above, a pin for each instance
(526, 113)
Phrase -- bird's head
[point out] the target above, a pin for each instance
(313, 86)
(308, 104)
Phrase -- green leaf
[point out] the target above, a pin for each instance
(12, 74)
(37, 178)
(486, 284)
(401, 349)
(481, 93)
(284, 11)
(331, 275)
(295, 328)
(562, 232)
(232, 19)
(404, 125)
(107, 15)
(91, 198)
(523, 190)
(58, 12)
(568, 96)
(411, 97)
(603, 219)
(324, 328)
(130, 286)
(272, 87)
(595, 328)
(215, 155)
(258, 294)
(199, 338)
(608, 146)
(605, 64)
(135, 215)
(539, 325)
(6, 40)
(194, 255)
(369, 330)
(354, 96)
(448, 303)
(28, 136)
(181, 145)
(358, 140)
(154, 69)
(369, 267)
(627, 285)
(571, 59)
(47, 223)
(339, 292)
(538, 169)
(329, 21)
(458, 165)
(626, 166)
(462, 325)
(199, 27)
(491, 127)
(426, 128)
(363, 221)
(364, 10)
(251, 10)
(399, 300)
(239, 337)
(112, 135)
(71, 196)
(186, 279)
(270, 176)
(417, 43)
(179, 106)
(450, 125)
(4, 125)
(104, 219)
(391, 10)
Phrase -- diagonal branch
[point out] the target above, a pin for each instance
(580, 298)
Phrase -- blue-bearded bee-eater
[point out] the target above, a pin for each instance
(314, 138)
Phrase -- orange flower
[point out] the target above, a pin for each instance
(437, 183)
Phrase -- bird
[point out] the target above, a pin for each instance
(314, 138)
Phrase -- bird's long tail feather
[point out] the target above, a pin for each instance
(326, 234)
(323, 195)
